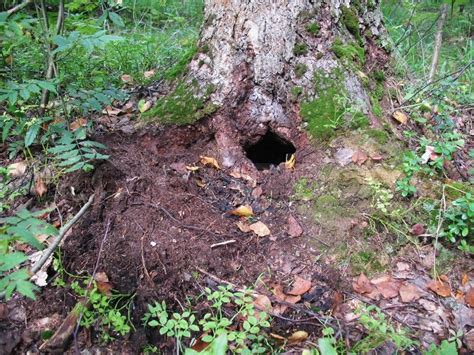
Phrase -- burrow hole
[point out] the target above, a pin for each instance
(271, 149)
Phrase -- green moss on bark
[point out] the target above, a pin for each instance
(351, 21)
(348, 52)
(300, 70)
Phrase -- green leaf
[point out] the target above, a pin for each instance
(6, 129)
(116, 19)
(9, 261)
(31, 134)
(61, 148)
(326, 347)
(26, 288)
(76, 167)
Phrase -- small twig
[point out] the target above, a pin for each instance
(48, 252)
(223, 243)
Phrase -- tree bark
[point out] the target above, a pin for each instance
(438, 42)
(249, 53)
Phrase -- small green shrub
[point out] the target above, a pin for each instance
(300, 70)
(313, 28)
(300, 49)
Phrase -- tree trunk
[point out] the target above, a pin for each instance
(258, 59)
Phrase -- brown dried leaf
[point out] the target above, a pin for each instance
(243, 211)
(417, 229)
(209, 161)
(300, 286)
(101, 277)
(76, 124)
(298, 337)
(400, 117)
(192, 168)
(469, 297)
(111, 111)
(243, 226)
(277, 337)
(440, 288)
(464, 279)
(17, 169)
(388, 289)
(263, 303)
(294, 228)
(362, 285)
(260, 229)
(40, 186)
(376, 157)
(359, 157)
(126, 78)
(149, 73)
(409, 292)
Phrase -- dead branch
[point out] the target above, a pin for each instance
(18, 7)
(223, 243)
(438, 41)
(48, 252)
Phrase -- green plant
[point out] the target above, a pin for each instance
(177, 325)
(459, 222)
(300, 49)
(445, 348)
(379, 330)
(73, 152)
(23, 227)
(105, 310)
(304, 190)
(411, 165)
(382, 196)
(312, 28)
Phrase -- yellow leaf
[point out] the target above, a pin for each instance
(243, 226)
(298, 337)
(149, 73)
(242, 211)
(400, 117)
(80, 122)
(290, 163)
(209, 161)
(260, 229)
(126, 78)
(192, 168)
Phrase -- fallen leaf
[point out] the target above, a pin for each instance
(260, 229)
(282, 297)
(144, 106)
(111, 111)
(469, 297)
(104, 288)
(149, 73)
(192, 168)
(128, 107)
(209, 161)
(300, 286)
(294, 228)
(244, 227)
(298, 337)
(243, 211)
(362, 285)
(388, 288)
(376, 157)
(401, 266)
(126, 78)
(101, 277)
(76, 124)
(429, 150)
(290, 163)
(40, 186)
(277, 337)
(440, 288)
(263, 303)
(257, 192)
(464, 279)
(417, 229)
(200, 345)
(400, 117)
(17, 169)
(359, 157)
(409, 292)
(200, 182)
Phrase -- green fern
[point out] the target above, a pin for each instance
(73, 152)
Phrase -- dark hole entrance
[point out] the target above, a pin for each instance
(271, 149)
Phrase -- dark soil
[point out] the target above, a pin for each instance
(162, 220)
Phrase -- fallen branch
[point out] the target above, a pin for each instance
(223, 243)
(48, 252)
(18, 7)
(438, 42)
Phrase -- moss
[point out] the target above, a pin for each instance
(378, 135)
(359, 120)
(325, 113)
(296, 92)
(368, 261)
(182, 106)
(376, 108)
(348, 51)
(300, 49)
(371, 6)
(378, 92)
(351, 21)
(454, 189)
(300, 70)
(181, 66)
(379, 75)
(312, 28)
(304, 189)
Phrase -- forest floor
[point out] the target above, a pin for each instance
(163, 226)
